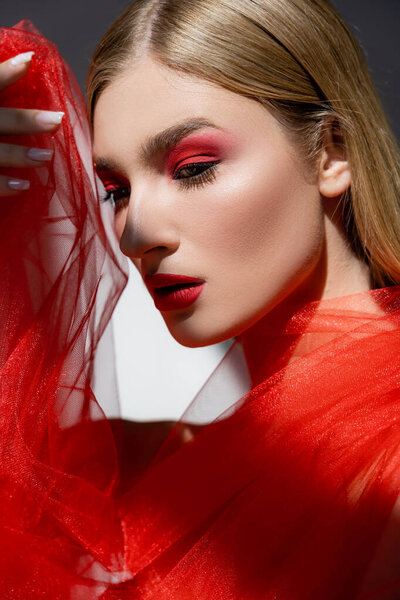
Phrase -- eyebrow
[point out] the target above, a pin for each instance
(161, 142)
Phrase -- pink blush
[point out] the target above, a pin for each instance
(201, 146)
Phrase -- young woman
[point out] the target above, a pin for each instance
(255, 184)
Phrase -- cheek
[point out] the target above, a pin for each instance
(265, 220)
(254, 239)
(119, 224)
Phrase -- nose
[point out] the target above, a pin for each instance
(148, 230)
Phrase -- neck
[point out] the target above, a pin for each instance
(272, 342)
(268, 345)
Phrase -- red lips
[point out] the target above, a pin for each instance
(173, 292)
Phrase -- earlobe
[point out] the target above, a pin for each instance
(334, 169)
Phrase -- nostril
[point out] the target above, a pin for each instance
(157, 249)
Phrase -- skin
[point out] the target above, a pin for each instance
(262, 234)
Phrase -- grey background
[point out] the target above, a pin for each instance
(76, 26)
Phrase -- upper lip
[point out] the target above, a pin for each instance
(166, 279)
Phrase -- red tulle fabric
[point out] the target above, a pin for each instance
(288, 492)
(60, 279)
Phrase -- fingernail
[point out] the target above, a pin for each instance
(49, 118)
(39, 154)
(18, 184)
(21, 59)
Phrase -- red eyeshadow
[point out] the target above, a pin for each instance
(201, 146)
(109, 177)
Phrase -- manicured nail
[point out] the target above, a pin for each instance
(21, 59)
(49, 118)
(18, 184)
(39, 154)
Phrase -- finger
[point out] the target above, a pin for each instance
(10, 186)
(28, 121)
(22, 156)
(14, 68)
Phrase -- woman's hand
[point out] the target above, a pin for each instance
(18, 121)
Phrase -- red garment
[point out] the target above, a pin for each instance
(288, 493)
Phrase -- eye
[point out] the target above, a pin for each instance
(196, 174)
(118, 194)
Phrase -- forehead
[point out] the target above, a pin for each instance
(149, 98)
(149, 83)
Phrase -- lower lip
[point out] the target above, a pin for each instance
(175, 299)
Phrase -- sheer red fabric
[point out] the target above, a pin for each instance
(60, 279)
(289, 491)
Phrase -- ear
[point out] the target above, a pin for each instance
(334, 172)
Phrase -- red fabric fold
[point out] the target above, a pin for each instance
(290, 496)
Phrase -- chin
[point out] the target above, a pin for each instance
(193, 339)
(196, 335)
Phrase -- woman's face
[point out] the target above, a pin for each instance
(207, 185)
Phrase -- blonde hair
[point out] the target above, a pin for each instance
(300, 59)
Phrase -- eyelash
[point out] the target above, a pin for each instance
(192, 181)
(201, 179)
(114, 189)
